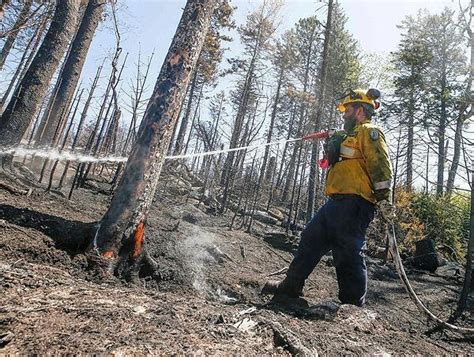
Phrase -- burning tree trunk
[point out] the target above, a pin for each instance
(120, 237)
(72, 70)
(27, 98)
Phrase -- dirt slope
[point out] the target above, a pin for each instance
(208, 301)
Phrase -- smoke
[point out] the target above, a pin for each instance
(197, 251)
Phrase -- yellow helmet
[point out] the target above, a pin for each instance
(360, 96)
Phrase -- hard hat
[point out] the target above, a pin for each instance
(360, 96)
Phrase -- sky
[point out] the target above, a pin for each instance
(149, 25)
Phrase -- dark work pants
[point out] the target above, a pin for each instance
(340, 225)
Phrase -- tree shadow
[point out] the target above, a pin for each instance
(68, 235)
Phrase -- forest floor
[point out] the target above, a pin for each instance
(208, 300)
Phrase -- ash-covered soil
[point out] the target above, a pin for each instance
(207, 301)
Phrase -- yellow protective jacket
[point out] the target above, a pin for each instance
(364, 168)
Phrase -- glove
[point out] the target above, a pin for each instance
(387, 210)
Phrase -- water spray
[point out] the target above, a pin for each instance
(55, 154)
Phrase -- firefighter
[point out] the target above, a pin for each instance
(359, 178)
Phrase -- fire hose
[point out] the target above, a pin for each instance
(403, 277)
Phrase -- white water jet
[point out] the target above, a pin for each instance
(66, 155)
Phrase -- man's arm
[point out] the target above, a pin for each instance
(375, 152)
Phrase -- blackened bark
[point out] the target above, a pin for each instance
(7, 46)
(120, 238)
(27, 98)
(72, 68)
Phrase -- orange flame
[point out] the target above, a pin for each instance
(108, 254)
(138, 239)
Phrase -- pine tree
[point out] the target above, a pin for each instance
(407, 106)
(31, 90)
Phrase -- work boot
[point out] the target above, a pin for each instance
(282, 288)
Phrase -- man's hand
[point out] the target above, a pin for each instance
(387, 210)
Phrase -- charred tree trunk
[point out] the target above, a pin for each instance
(468, 285)
(457, 153)
(196, 115)
(24, 61)
(32, 54)
(462, 117)
(178, 148)
(300, 185)
(272, 166)
(118, 244)
(395, 169)
(111, 134)
(270, 128)
(80, 124)
(240, 116)
(64, 143)
(441, 133)
(7, 46)
(313, 172)
(59, 131)
(72, 68)
(427, 169)
(292, 201)
(285, 148)
(90, 147)
(410, 143)
(140, 87)
(291, 167)
(27, 98)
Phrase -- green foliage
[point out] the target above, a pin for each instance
(446, 221)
